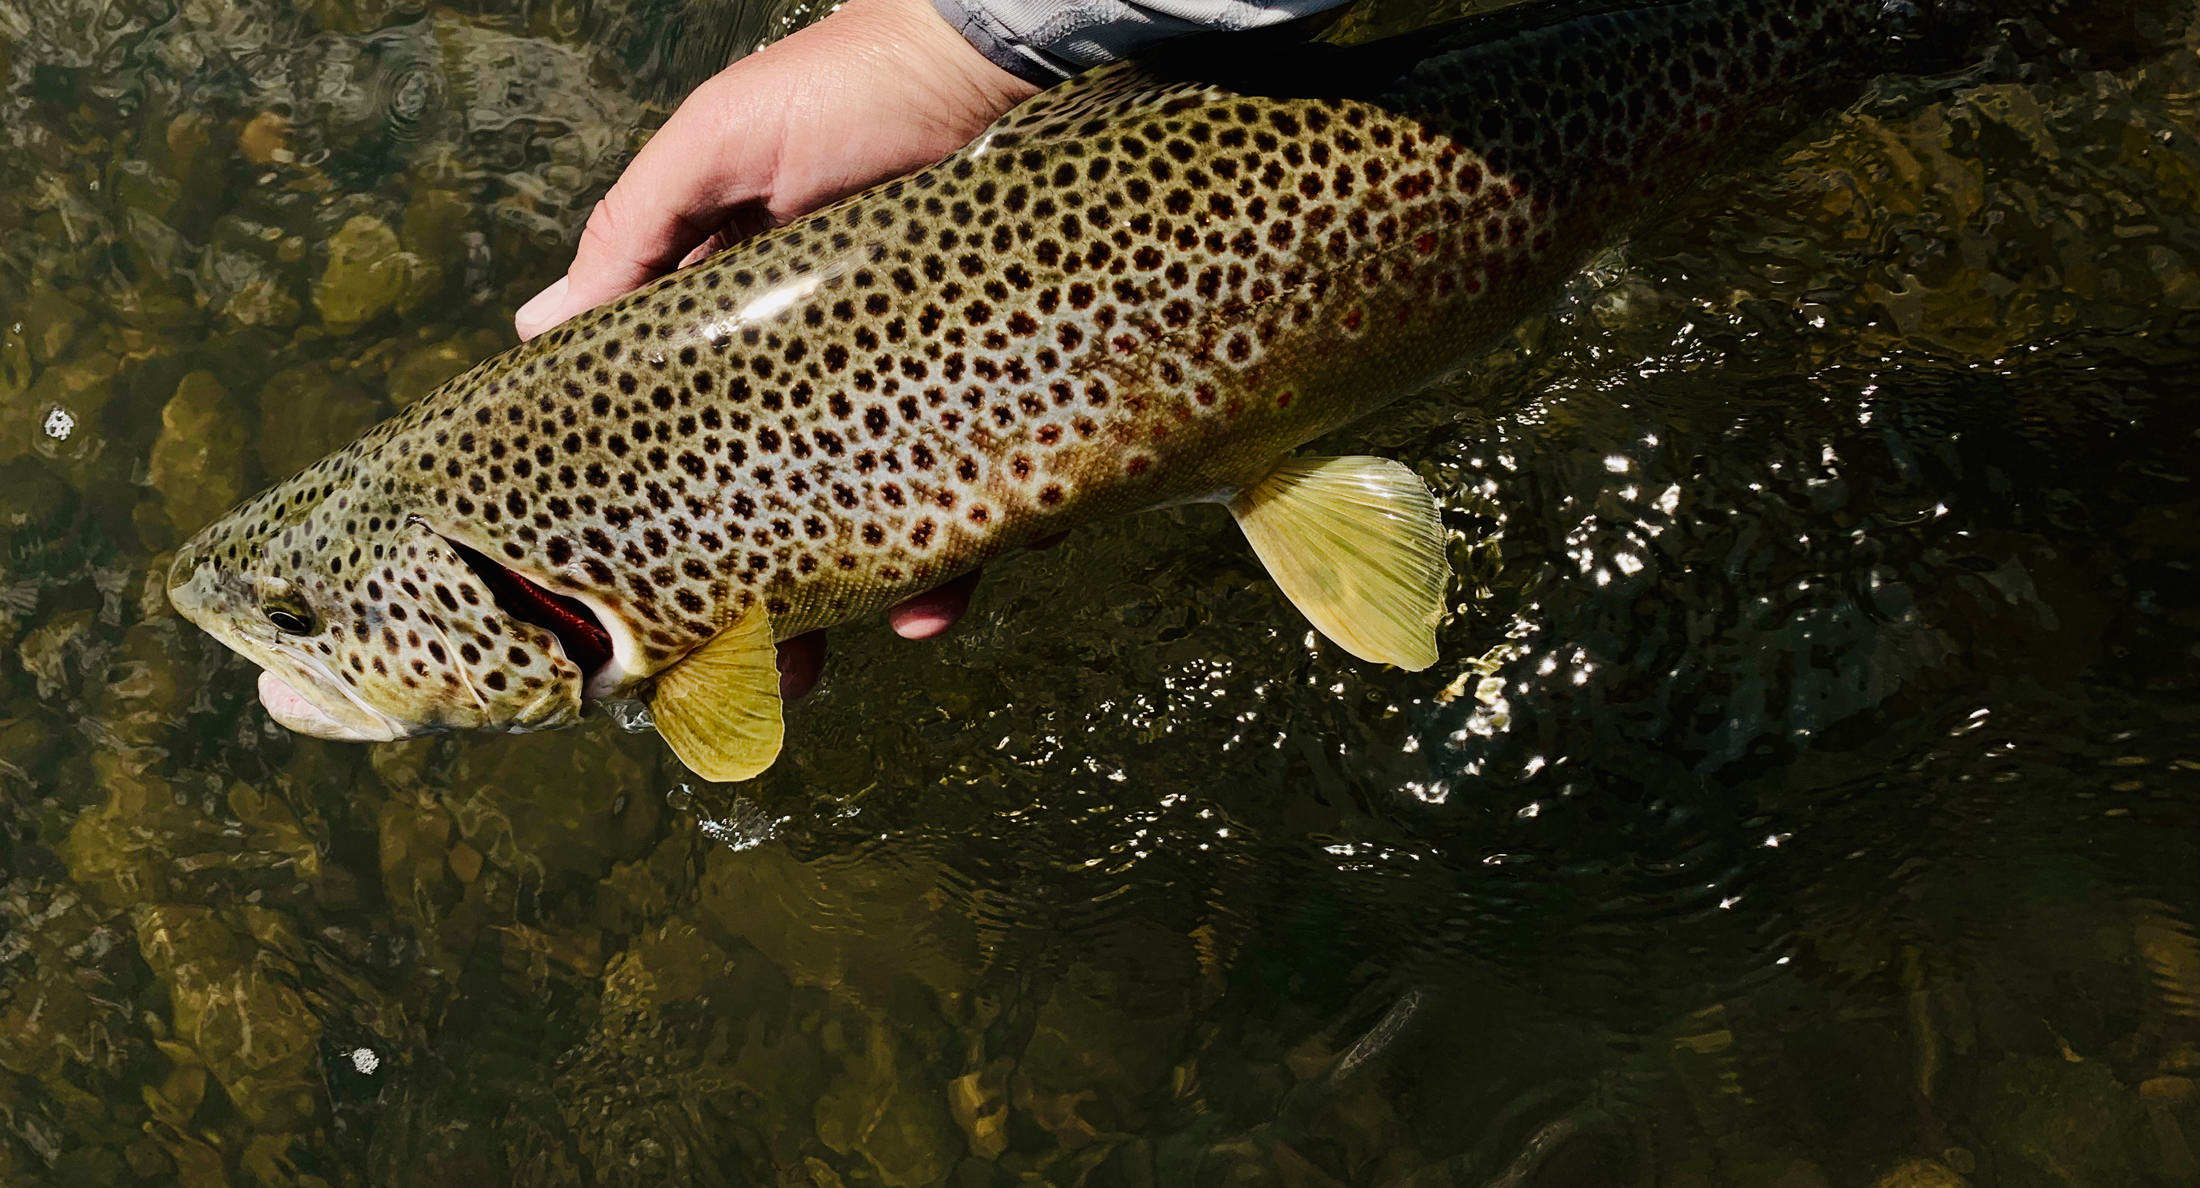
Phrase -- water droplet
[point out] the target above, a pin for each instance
(630, 716)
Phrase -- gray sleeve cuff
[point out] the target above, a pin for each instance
(1046, 41)
(988, 37)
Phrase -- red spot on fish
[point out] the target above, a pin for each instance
(1137, 466)
(1284, 401)
(1126, 343)
(1425, 242)
(1352, 320)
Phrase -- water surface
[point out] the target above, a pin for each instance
(1807, 797)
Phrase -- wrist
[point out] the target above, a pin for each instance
(920, 31)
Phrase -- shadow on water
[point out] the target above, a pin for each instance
(1807, 796)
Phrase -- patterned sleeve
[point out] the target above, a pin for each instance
(1046, 41)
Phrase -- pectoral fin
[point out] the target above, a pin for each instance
(718, 708)
(1356, 545)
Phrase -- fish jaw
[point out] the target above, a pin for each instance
(295, 712)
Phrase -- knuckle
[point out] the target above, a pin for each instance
(605, 222)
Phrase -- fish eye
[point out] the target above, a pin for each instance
(288, 620)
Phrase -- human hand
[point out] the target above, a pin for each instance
(874, 91)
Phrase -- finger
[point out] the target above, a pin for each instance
(543, 310)
(741, 224)
(801, 665)
(686, 183)
(719, 241)
(923, 616)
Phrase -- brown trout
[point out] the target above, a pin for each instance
(1143, 287)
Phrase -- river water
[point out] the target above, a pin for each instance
(1809, 794)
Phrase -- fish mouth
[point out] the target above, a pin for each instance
(296, 712)
(578, 631)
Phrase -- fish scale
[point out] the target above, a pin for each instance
(1143, 287)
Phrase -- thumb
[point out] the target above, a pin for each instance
(683, 186)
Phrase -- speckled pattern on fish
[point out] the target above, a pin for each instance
(1145, 286)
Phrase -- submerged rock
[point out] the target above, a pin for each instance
(553, 806)
(434, 237)
(436, 223)
(307, 411)
(27, 745)
(886, 1107)
(71, 1041)
(248, 290)
(428, 368)
(51, 321)
(189, 137)
(265, 139)
(141, 694)
(2064, 1122)
(60, 415)
(199, 464)
(34, 521)
(860, 926)
(231, 1003)
(1920, 1173)
(365, 274)
(55, 652)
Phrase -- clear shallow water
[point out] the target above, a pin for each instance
(1807, 797)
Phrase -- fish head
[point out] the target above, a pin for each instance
(368, 623)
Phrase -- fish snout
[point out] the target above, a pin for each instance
(185, 587)
(180, 568)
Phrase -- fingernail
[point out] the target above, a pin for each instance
(533, 317)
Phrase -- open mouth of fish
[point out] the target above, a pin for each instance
(576, 627)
